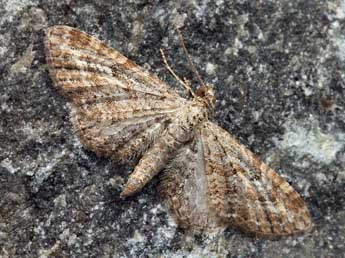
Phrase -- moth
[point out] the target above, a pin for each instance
(207, 178)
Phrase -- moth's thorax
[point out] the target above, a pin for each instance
(195, 113)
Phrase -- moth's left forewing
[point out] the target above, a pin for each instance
(246, 193)
(118, 108)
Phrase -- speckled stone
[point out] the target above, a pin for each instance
(279, 72)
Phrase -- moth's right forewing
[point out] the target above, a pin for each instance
(118, 108)
(216, 182)
(245, 192)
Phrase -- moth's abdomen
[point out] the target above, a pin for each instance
(177, 134)
(156, 158)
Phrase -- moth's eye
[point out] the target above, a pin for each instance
(201, 92)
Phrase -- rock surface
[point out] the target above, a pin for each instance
(279, 72)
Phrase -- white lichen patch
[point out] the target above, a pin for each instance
(137, 237)
(60, 201)
(8, 164)
(12, 8)
(45, 253)
(341, 46)
(335, 32)
(211, 68)
(212, 247)
(15, 6)
(4, 49)
(46, 169)
(67, 237)
(340, 12)
(24, 62)
(306, 138)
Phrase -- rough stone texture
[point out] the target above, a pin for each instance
(279, 72)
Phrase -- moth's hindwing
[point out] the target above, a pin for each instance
(183, 186)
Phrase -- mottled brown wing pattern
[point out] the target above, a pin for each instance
(118, 108)
(183, 185)
(241, 191)
(245, 192)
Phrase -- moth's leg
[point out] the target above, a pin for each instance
(157, 157)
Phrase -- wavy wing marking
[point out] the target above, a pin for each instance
(118, 108)
(245, 192)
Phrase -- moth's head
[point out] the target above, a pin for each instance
(206, 93)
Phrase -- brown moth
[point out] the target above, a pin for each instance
(209, 180)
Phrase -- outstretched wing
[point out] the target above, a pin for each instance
(240, 190)
(117, 107)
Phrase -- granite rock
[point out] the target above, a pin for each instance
(278, 70)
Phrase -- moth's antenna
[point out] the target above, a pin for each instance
(188, 58)
(185, 84)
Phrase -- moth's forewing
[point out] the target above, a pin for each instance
(118, 108)
(240, 190)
